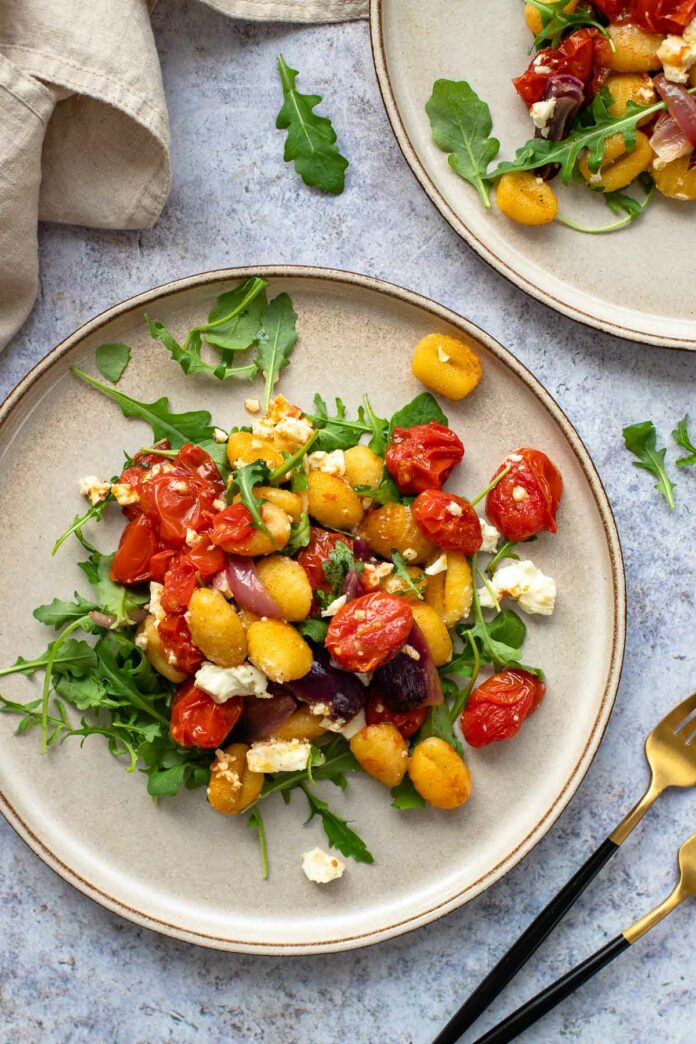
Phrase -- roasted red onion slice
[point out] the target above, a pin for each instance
(692, 161)
(406, 683)
(568, 93)
(361, 550)
(247, 588)
(262, 717)
(103, 619)
(352, 588)
(340, 690)
(667, 141)
(680, 104)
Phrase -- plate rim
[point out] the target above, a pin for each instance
(580, 768)
(485, 252)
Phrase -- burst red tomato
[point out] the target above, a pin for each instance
(585, 54)
(180, 496)
(407, 723)
(656, 16)
(160, 563)
(526, 499)
(176, 639)
(232, 528)
(138, 543)
(422, 457)
(198, 721)
(369, 631)
(448, 521)
(318, 550)
(495, 711)
(187, 570)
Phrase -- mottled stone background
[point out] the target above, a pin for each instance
(70, 971)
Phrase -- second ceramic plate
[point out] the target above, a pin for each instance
(179, 867)
(635, 283)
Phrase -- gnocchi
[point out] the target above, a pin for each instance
(447, 365)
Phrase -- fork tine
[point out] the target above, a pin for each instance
(689, 720)
(678, 716)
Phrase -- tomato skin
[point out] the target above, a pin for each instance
(160, 563)
(138, 543)
(232, 527)
(541, 480)
(496, 709)
(369, 631)
(180, 496)
(422, 457)
(585, 54)
(407, 723)
(312, 557)
(182, 576)
(655, 16)
(176, 638)
(198, 721)
(435, 514)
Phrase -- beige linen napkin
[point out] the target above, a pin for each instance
(84, 133)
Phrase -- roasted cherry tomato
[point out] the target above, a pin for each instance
(585, 54)
(407, 723)
(526, 499)
(160, 563)
(448, 521)
(422, 457)
(317, 552)
(176, 638)
(656, 16)
(369, 631)
(232, 527)
(495, 711)
(186, 571)
(180, 495)
(198, 721)
(138, 543)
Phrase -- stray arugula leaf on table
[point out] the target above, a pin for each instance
(682, 439)
(641, 440)
(112, 360)
(311, 139)
(401, 570)
(461, 125)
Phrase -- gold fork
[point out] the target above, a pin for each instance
(671, 752)
(533, 1010)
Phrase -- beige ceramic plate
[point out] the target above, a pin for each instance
(634, 283)
(181, 868)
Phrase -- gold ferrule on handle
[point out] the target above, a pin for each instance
(644, 924)
(633, 818)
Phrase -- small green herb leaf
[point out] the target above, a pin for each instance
(340, 562)
(461, 125)
(401, 570)
(114, 599)
(299, 535)
(406, 796)
(59, 613)
(421, 410)
(556, 20)
(112, 360)
(336, 431)
(641, 440)
(681, 437)
(255, 822)
(314, 629)
(311, 140)
(73, 657)
(244, 480)
(276, 342)
(439, 723)
(338, 832)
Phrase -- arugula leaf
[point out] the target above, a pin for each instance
(338, 832)
(461, 125)
(556, 20)
(439, 723)
(299, 535)
(406, 796)
(114, 599)
(95, 512)
(335, 430)
(681, 437)
(170, 767)
(421, 410)
(255, 822)
(504, 551)
(498, 641)
(340, 562)
(386, 493)
(339, 759)
(88, 693)
(401, 570)
(232, 329)
(73, 657)
(112, 360)
(58, 613)
(120, 682)
(311, 140)
(620, 203)
(379, 428)
(276, 341)
(314, 629)
(641, 440)
(244, 481)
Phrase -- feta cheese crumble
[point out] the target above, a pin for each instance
(519, 493)
(490, 535)
(252, 405)
(275, 755)
(222, 683)
(155, 606)
(321, 867)
(412, 653)
(94, 489)
(442, 354)
(409, 554)
(333, 463)
(678, 54)
(125, 494)
(438, 566)
(219, 435)
(533, 591)
(374, 572)
(541, 113)
(347, 729)
(333, 607)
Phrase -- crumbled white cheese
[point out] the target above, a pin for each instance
(320, 709)
(221, 583)
(438, 566)
(409, 554)
(125, 494)
(442, 354)
(364, 676)
(191, 537)
(155, 606)
(490, 536)
(541, 112)
(334, 606)
(333, 463)
(321, 867)
(513, 458)
(222, 683)
(409, 651)
(454, 509)
(539, 65)
(141, 640)
(252, 405)
(678, 55)
(347, 729)
(219, 435)
(533, 591)
(519, 493)
(219, 504)
(374, 572)
(274, 755)
(179, 486)
(222, 766)
(295, 430)
(94, 489)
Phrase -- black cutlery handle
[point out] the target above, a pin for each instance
(545, 1001)
(520, 951)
